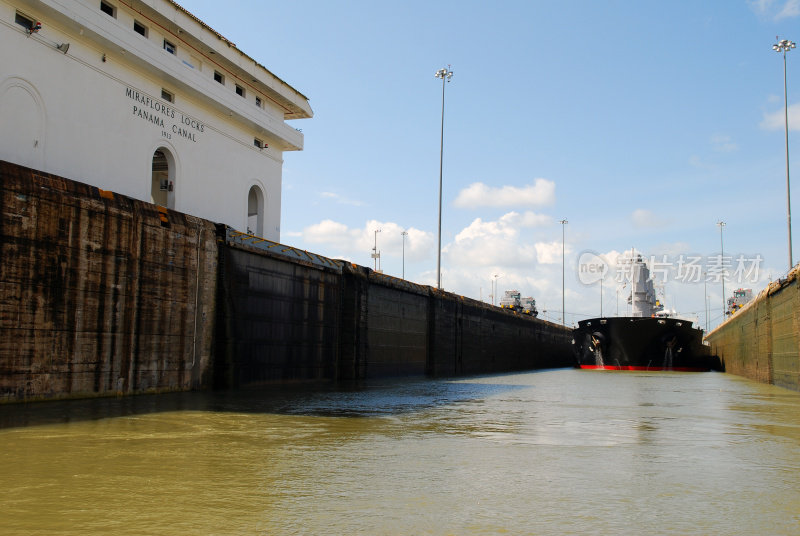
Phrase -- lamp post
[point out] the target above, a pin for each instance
(784, 46)
(495, 277)
(705, 297)
(375, 254)
(445, 75)
(404, 234)
(722, 262)
(564, 222)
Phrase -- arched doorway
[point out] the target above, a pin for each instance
(162, 188)
(23, 118)
(255, 211)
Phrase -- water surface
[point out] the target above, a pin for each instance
(553, 452)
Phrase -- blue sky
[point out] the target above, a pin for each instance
(642, 123)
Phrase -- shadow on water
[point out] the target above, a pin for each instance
(363, 399)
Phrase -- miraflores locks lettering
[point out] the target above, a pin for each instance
(170, 121)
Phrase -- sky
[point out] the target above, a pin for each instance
(641, 123)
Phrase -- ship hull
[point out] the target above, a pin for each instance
(632, 343)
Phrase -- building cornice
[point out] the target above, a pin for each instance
(188, 31)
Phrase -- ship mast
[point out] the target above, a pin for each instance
(633, 278)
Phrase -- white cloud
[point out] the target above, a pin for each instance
(419, 245)
(760, 6)
(528, 219)
(333, 234)
(550, 252)
(504, 247)
(325, 231)
(646, 218)
(617, 263)
(696, 161)
(790, 9)
(483, 243)
(480, 229)
(484, 249)
(775, 10)
(358, 243)
(720, 143)
(328, 232)
(723, 144)
(540, 193)
(777, 121)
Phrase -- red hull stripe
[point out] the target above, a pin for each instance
(654, 369)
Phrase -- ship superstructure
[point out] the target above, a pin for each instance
(642, 298)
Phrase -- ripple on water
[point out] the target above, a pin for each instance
(547, 452)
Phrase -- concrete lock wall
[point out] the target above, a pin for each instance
(397, 327)
(347, 322)
(278, 319)
(762, 340)
(284, 319)
(101, 294)
(471, 337)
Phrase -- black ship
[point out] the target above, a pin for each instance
(647, 340)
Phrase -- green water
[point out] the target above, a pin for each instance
(554, 452)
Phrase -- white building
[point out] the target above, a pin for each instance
(142, 98)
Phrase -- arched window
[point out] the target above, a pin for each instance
(162, 189)
(255, 211)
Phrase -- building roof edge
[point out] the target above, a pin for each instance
(233, 45)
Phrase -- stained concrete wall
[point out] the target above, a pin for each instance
(278, 319)
(397, 325)
(471, 337)
(762, 340)
(101, 294)
(286, 318)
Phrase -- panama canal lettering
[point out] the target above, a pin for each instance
(162, 115)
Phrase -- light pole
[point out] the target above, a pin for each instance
(375, 254)
(445, 75)
(705, 297)
(564, 223)
(495, 277)
(404, 234)
(722, 262)
(784, 46)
